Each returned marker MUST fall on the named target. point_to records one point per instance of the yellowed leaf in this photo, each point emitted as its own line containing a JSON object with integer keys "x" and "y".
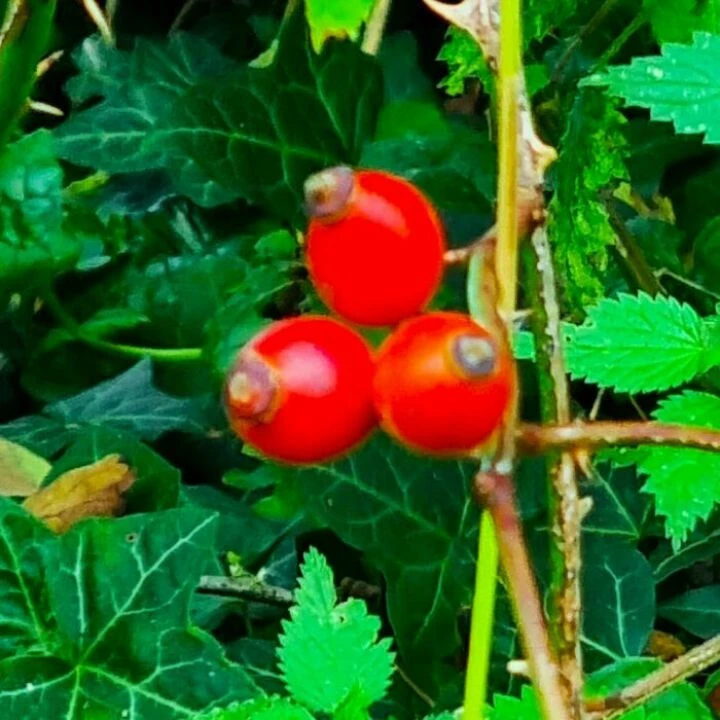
{"x": 95, "y": 490}
{"x": 21, "y": 471}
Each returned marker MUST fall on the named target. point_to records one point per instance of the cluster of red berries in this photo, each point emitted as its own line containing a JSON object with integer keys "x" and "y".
{"x": 310, "y": 389}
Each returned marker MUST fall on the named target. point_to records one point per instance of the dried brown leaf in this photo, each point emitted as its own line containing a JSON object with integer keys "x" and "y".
{"x": 95, "y": 490}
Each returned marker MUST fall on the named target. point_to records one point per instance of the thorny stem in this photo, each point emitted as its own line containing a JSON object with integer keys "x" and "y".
{"x": 372, "y": 39}
{"x": 538, "y": 439}
{"x": 565, "y": 516}
{"x": 692, "y": 662}
{"x": 71, "y": 325}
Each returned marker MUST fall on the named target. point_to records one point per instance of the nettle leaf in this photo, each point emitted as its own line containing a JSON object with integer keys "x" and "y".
{"x": 678, "y": 86}
{"x": 245, "y": 130}
{"x": 138, "y": 89}
{"x": 333, "y": 19}
{"x": 78, "y": 645}
{"x": 270, "y": 708}
{"x": 128, "y": 402}
{"x": 33, "y": 245}
{"x": 697, "y": 611}
{"x": 591, "y": 163}
{"x": 415, "y": 517}
{"x": 684, "y": 483}
{"x": 677, "y": 20}
{"x": 336, "y": 642}
{"x": 512, "y": 708}
{"x": 618, "y": 597}
{"x": 640, "y": 344}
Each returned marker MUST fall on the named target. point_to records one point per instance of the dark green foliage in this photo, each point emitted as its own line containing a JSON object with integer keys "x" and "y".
{"x": 150, "y": 232}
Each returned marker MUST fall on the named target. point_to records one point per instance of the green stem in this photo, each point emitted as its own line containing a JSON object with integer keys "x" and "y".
{"x": 70, "y": 324}
{"x": 375, "y": 28}
{"x": 481, "y": 622}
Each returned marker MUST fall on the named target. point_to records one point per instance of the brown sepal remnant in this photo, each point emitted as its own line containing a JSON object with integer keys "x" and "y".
{"x": 95, "y": 490}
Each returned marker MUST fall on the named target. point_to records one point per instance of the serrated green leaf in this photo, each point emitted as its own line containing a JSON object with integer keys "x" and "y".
{"x": 328, "y": 18}
{"x": 416, "y": 518}
{"x": 128, "y": 402}
{"x": 245, "y": 132}
{"x": 677, "y": 20}
{"x": 523, "y": 708}
{"x": 336, "y": 642}
{"x": 618, "y": 597}
{"x": 678, "y": 86}
{"x": 639, "y": 344}
{"x": 684, "y": 483}
{"x": 697, "y": 611}
{"x": 591, "y": 162}
{"x": 270, "y": 708}
{"x": 85, "y": 647}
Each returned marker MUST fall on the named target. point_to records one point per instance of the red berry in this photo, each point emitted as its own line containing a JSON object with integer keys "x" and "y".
{"x": 375, "y": 245}
{"x": 442, "y": 383}
{"x": 301, "y": 390}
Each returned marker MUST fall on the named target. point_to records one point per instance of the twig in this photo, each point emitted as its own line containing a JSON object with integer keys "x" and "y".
{"x": 539, "y": 439}
{"x": 495, "y": 491}
{"x": 250, "y": 589}
{"x": 417, "y": 690}
{"x": 696, "y": 660}
{"x": 633, "y": 256}
{"x": 372, "y": 39}
{"x": 565, "y": 517}
{"x": 185, "y": 10}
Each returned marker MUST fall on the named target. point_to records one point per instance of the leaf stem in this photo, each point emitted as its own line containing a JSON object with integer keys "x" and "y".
{"x": 375, "y": 28}
{"x": 70, "y": 324}
{"x": 246, "y": 588}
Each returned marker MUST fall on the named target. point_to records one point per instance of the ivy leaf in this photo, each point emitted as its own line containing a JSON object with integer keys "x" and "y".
{"x": 328, "y": 18}
{"x": 701, "y": 544}
{"x": 33, "y": 245}
{"x": 415, "y": 517}
{"x": 684, "y": 483}
{"x": 128, "y": 402}
{"x": 138, "y": 88}
{"x": 697, "y": 611}
{"x": 677, "y": 20}
{"x": 41, "y": 435}
{"x": 678, "y": 86}
{"x": 336, "y": 642}
{"x": 591, "y": 162}
{"x": 640, "y": 344}
{"x": 245, "y": 132}
{"x": 618, "y": 596}
{"x": 78, "y": 643}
